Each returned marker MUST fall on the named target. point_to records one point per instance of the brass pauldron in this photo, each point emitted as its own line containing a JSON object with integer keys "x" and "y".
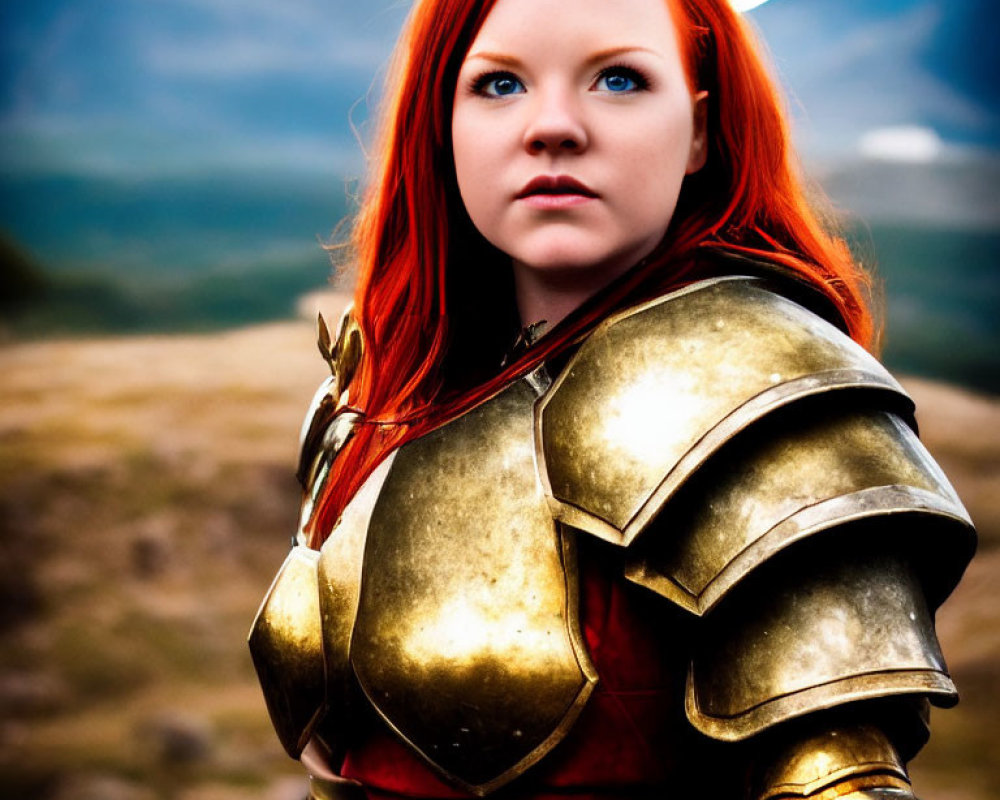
{"x": 717, "y": 428}
{"x": 809, "y": 635}
{"x": 330, "y": 421}
{"x": 658, "y": 389}
{"x": 805, "y": 470}
{"x": 831, "y": 763}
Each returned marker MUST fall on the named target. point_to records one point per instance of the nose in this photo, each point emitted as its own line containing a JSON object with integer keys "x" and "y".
{"x": 555, "y": 125}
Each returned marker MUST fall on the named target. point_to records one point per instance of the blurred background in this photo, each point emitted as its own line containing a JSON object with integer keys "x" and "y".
{"x": 168, "y": 171}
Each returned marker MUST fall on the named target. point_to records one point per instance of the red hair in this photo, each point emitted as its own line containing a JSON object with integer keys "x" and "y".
{"x": 424, "y": 320}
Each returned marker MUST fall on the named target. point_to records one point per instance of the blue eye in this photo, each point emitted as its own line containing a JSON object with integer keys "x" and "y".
{"x": 498, "y": 84}
{"x": 619, "y": 80}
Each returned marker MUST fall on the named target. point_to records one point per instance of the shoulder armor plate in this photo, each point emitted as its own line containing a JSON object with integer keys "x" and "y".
{"x": 805, "y": 470}
{"x": 712, "y": 429}
{"x": 285, "y": 644}
{"x": 655, "y": 390}
{"x": 840, "y": 624}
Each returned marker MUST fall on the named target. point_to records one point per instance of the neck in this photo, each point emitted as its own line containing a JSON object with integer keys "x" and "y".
{"x": 551, "y": 295}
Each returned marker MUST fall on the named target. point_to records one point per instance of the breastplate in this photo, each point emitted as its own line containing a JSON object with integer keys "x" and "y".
{"x": 462, "y": 630}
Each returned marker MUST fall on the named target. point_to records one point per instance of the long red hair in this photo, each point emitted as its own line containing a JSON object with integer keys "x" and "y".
{"x": 434, "y": 337}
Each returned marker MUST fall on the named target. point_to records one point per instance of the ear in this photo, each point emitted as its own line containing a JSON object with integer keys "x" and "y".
{"x": 699, "y": 138}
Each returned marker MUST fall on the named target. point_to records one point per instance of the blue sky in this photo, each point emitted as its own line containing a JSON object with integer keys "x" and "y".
{"x": 196, "y": 86}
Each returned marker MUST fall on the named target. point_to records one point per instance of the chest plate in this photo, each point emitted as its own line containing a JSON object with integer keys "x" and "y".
{"x": 466, "y": 638}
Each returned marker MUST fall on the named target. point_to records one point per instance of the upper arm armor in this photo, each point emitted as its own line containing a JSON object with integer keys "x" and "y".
{"x": 835, "y": 758}
{"x": 719, "y": 433}
{"x": 803, "y": 471}
{"x": 286, "y": 638}
{"x": 286, "y": 644}
{"x": 842, "y": 621}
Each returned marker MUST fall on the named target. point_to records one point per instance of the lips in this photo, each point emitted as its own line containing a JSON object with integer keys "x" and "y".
{"x": 555, "y": 186}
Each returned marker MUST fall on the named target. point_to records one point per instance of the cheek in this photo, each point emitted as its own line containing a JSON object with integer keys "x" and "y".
{"x": 476, "y": 166}
{"x": 655, "y": 156}
{"x": 652, "y": 160}
{"x": 669, "y": 137}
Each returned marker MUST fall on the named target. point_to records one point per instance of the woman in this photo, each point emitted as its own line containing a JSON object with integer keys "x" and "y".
{"x": 600, "y": 501}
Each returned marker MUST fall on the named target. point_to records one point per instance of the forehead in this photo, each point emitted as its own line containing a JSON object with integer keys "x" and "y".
{"x": 558, "y": 28}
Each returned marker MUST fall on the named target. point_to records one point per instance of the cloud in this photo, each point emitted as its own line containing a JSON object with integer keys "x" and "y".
{"x": 746, "y": 5}
{"x": 291, "y": 13}
{"x": 905, "y": 143}
{"x": 897, "y": 38}
{"x": 237, "y": 39}
{"x": 239, "y": 56}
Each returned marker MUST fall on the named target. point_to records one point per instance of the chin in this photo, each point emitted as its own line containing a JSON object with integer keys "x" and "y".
{"x": 579, "y": 250}
{"x": 580, "y": 261}
{"x": 566, "y": 257}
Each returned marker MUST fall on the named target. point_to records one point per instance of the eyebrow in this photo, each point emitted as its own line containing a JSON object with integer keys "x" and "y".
{"x": 594, "y": 58}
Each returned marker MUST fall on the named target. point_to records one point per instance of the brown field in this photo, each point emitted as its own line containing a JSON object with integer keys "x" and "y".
{"x": 146, "y": 499}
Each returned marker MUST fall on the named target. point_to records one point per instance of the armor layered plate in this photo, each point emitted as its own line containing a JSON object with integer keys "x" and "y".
{"x": 285, "y": 644}
{"x": 466, "y": 639}
{"x": 339, "y": 575}
{"x": 838, "y": 623}
{"x": 654, "y": 391}
{"x": 804, "y": 470}
{"x": 845, "y": 756}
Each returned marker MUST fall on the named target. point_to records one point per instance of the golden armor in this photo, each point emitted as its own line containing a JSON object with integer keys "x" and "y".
{"x": 761, "y": 472}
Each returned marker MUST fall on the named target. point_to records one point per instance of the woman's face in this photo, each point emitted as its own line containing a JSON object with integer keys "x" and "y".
{"x": 573, "y": 128}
